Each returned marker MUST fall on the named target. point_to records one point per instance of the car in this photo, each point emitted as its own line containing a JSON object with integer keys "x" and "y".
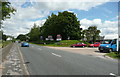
{"x": 24, "y": 44}
{"x": 78, "y": 45}
{"x": 96, "y": 44}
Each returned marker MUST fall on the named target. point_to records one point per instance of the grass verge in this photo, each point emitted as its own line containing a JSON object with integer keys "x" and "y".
{"x": 63, "y": 43}
{"x": 5, "y": 43}
{"x": 115, "y": 55}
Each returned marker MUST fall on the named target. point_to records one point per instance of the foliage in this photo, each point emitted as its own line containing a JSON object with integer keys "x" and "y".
{"x": 1, "y": 35}
{"x": 21, "y": 37}
{"x": 34, "y": 33}
{"x": 7, "y": 9}
{"x": 65, "y": 24}
{"x": 91, "y": 33}
{"x": 4, "y": 37}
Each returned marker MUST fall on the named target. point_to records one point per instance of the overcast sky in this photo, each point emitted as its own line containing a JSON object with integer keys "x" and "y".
{"x": 102, "y": 13}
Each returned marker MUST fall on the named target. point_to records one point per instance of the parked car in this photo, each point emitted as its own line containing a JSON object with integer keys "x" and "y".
{"x": 78, "y": 45}
{"x": 109, "y": 46}
{"x": 24, "y": 44}
{"x": 96, "y": 44}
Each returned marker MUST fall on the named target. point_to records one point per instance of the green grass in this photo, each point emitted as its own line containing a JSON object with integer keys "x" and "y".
{"x": 63, "y": 43}
{"x": 115, "y": 55}
{"x": 5, "y": 43}
{"x": 0, "y": 43}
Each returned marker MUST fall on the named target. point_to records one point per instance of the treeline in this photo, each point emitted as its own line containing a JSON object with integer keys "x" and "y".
{"x": 66, "y": 24}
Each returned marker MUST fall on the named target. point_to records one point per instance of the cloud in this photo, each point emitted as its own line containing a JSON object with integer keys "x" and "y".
{"x": 26, "y": 13}
{"x": 71, "y": 4}
{"x": 109, "y": 29}
{"x": 60, "y": 4}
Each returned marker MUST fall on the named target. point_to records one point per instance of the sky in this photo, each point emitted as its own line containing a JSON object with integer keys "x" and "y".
{"x": 101, "y": 13}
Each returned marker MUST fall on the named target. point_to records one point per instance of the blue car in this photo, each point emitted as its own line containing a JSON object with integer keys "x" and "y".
{"x": 24, "y": 44}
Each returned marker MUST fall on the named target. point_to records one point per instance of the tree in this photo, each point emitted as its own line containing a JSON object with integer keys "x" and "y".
{"x": 21, "y": 37}
{"x": 7, "y": 9}
{"x": 4, "y": 37}
{"x": 1, "y": 33}
{"x": 65, "y": 24}
{"x": 34, "y": 33}
{"x": 5, "y": 12}
{"x": 91, "y": 33}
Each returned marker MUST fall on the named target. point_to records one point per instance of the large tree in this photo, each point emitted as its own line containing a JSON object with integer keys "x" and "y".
{"x": 5, "y": 13}
{"x": 22, "y": 37}
{"x": 65, "y": 24}
{"x": 34, "y": 33}
{"x": 4, "y": 37}
{"x": 92, "y": 33}
{"x": 6, "y": 10}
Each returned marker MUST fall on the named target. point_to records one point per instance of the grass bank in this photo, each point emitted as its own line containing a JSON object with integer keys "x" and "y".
{"x": 115, "y": 55}
{"x": 63, "y": 43}
{"x": 5, "y": 43}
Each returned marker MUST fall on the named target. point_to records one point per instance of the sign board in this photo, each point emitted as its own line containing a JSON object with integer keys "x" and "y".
{"x": 59, "y": 37}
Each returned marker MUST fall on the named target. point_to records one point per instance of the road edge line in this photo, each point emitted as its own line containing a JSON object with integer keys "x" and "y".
{"x": 23, "y": 60}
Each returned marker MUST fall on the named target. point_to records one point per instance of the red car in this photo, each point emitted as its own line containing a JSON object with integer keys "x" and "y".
{"x": 96, "y": 44}
{"x": 78, "y": 45}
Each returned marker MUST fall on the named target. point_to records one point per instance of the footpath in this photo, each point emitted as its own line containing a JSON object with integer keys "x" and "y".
{"x": 14, "y": 63}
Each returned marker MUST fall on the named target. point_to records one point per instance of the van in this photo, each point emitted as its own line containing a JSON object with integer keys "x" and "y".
{"x": 109, "y": 45}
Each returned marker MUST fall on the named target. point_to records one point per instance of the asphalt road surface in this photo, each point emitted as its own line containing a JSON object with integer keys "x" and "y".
{"x": 46, "y": 61}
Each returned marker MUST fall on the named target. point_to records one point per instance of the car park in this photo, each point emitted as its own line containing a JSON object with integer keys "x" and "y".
{"x": 24, "y": 44}
{"x": 96, "y": 44}
{"x": 78, "y": 45}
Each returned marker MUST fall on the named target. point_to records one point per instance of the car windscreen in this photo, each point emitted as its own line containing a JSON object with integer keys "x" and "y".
{"x": 79, "y": 43}
{"x": 96, "y": 43}
{"x": 106, "y": 42}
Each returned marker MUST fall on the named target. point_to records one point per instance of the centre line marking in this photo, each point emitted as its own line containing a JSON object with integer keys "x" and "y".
{"x": 57, "y": 55}
{"x": 39, "y": 48}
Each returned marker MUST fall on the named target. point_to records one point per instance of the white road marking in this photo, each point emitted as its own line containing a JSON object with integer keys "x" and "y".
{"x": 39, "y": 48}
{"x": 57, "y": 55}
{"x": 112, "y": 74}
{"x": 23, "y": 60}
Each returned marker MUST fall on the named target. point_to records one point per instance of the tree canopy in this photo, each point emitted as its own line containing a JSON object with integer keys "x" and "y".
{"x": 91, "y": 33}
{"x": 65, "y": 24}
{"x": 6, "y": 10}
{"x": 34, "y": 33}
{"x": 22, "y": 37}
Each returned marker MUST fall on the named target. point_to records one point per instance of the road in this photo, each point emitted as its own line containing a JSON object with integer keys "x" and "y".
{"x": 47, "y": 61}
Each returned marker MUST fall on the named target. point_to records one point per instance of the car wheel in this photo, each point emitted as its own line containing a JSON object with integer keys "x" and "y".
{"x": 101, "y": 50}
{"x": 73, "y": 46}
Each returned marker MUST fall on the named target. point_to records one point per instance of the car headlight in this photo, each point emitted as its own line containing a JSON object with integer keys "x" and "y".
{"x": 107, "y": 46}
